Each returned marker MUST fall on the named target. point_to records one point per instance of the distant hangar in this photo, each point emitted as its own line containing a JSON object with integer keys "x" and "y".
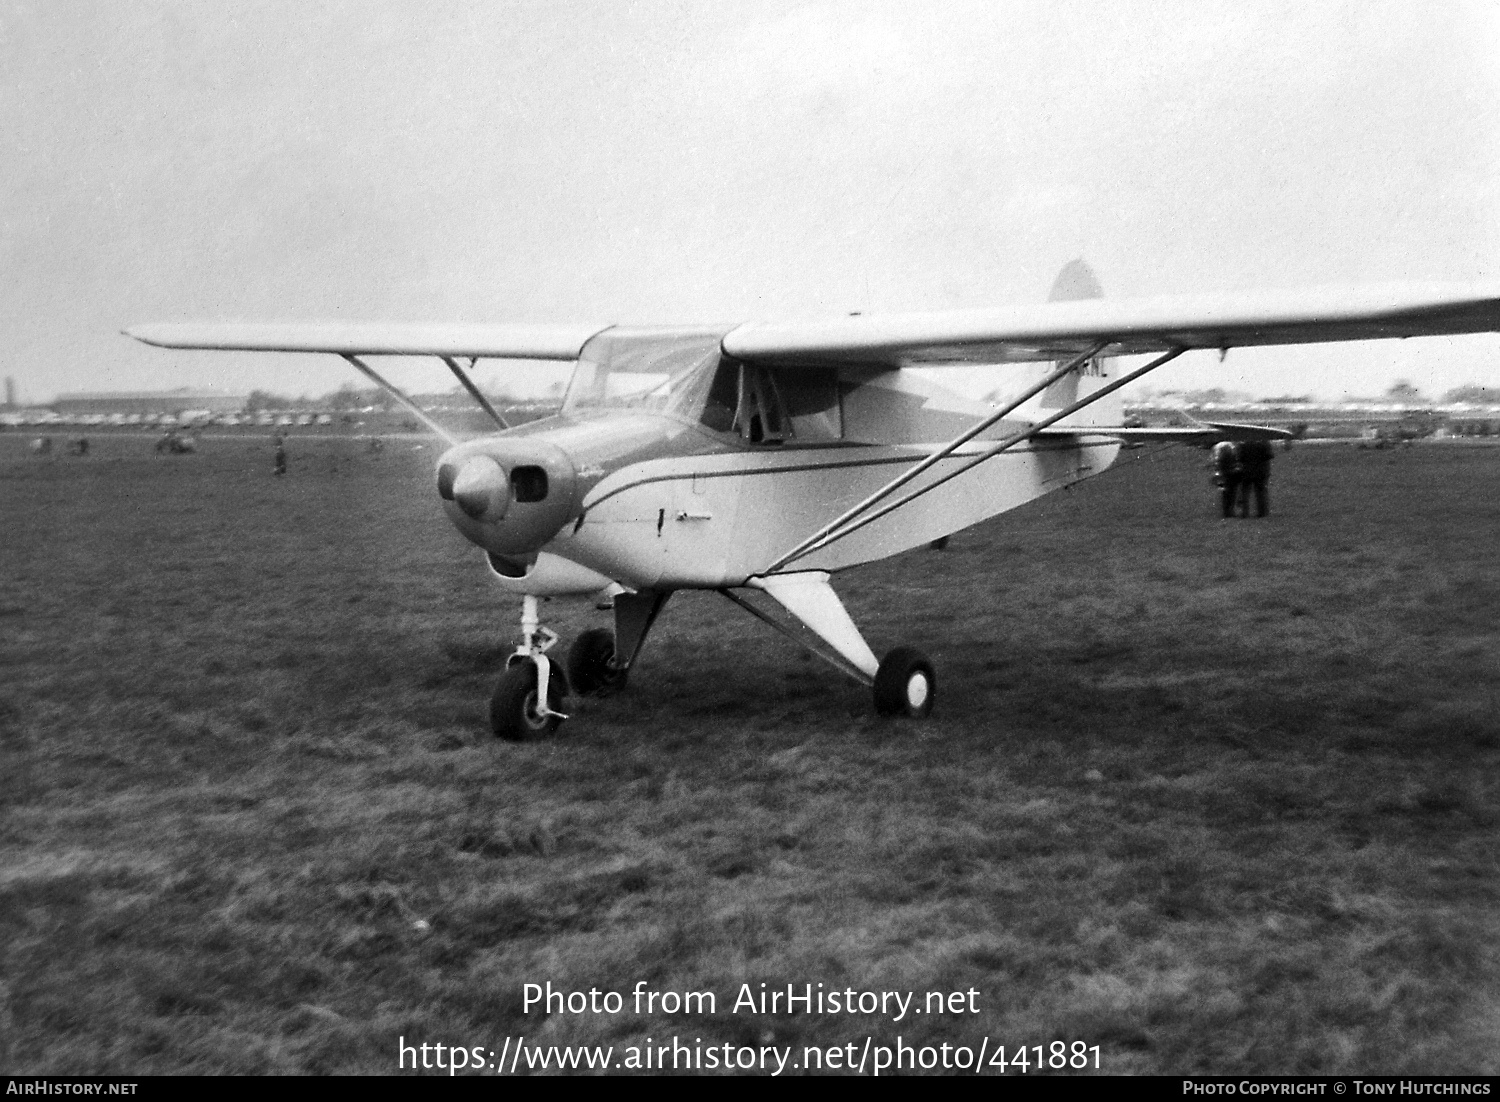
{"x": 175, "y": 402}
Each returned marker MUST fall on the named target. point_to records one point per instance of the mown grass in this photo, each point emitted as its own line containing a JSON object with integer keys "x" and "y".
{"x": 1216, "y": 796}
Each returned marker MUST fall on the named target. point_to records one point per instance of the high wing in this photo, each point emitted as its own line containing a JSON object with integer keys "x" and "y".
{"x": 1054, "y": 330}
{"x": 1046, "y": 331}
{"x": 351, "y": 340}
{"x": 517, "y": 342}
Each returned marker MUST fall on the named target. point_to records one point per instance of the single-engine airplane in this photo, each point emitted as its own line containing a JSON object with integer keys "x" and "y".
{"x": 759, "y": 459}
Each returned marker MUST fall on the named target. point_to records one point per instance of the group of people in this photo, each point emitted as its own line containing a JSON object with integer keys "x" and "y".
{"x": 1242, "y": 468}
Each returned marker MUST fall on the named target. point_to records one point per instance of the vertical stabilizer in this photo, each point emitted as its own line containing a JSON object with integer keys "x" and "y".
{"x": 1078, "y": 281}
{"x": 1075, "y": 281}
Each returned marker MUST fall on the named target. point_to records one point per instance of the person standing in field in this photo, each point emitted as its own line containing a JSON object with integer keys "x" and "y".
{"x": 1225, "y": 462}
{"x": 1255, "y": 472}
{"x": 280, "y": 455}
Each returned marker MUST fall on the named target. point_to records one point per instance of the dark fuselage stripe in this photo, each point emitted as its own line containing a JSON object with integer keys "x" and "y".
{"x": 822, "y": 467}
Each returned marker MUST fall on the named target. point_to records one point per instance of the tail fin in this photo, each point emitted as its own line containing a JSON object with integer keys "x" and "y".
{"x": 1078, "y": 281}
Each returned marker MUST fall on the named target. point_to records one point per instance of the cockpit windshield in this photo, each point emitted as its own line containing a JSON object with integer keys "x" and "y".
{"x": 684, "y": 373}
{"x": 662, "y": 371}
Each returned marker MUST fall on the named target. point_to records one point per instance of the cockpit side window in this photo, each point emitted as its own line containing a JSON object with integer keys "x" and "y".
{"x": 760, "y": 416}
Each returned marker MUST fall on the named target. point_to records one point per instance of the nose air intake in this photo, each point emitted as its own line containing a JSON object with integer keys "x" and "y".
{"x": 529, "y": 484}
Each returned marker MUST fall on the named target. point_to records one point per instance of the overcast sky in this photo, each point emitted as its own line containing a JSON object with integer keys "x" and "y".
{"x": 670, "y": 161}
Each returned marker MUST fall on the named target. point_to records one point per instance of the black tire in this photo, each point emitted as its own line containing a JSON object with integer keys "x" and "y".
{"x": 513, "y": 711}
{"x": 905, "y": 684}
{"x": 589, "y": 669}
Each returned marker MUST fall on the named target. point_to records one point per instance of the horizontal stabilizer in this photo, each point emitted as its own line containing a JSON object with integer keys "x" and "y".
{"x": 1224, "y": 430}
{"x": 1205, "y": 432}
{"x": 513, "y": 342}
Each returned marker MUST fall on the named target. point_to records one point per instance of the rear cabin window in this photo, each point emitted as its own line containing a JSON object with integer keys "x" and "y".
{"x": 812, "y": 404}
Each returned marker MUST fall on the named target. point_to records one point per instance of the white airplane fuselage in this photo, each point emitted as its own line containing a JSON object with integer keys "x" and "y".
{"x": 708, "y": 522}
{"x": 657, "y": 500}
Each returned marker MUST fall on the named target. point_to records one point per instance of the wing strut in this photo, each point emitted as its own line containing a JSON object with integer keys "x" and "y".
{"x": 834, "y": 533}
{"x": 410, "y": 406}
{"x": 468, "y": 384}
{"x": 818, "y": 537}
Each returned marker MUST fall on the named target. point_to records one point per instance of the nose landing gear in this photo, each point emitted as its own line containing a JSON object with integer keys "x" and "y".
{"x": 528, "y": 699}
{"x": 531, "y": 690}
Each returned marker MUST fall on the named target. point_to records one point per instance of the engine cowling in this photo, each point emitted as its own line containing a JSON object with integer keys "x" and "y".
{"x": 509, "y": 495}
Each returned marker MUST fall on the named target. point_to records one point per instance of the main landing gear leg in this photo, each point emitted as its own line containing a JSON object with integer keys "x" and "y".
{"x": 531, "y": 690}
{"x": 599, "y": 660}
{"x": 903, "y": 682}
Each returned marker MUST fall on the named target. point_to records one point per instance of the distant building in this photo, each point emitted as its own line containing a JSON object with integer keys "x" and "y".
{"x": 163, "y": 401}
{"x": 1358, "y": 420}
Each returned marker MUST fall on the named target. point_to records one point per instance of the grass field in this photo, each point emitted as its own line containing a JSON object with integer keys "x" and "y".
{"x": 1217, "y": 797}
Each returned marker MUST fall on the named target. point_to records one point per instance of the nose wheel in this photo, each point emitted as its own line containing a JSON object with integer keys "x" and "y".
{"x": 530, "y": 692}
{"x": 517, "y": 713}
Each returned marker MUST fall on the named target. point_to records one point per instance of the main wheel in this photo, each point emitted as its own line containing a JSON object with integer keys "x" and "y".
{"x": 905, "y": 684}
{"x": 589, "y": 669}
{"x": 513, "y": 709}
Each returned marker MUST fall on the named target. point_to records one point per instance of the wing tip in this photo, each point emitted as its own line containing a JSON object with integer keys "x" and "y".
{"x": 140, "y": 333}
